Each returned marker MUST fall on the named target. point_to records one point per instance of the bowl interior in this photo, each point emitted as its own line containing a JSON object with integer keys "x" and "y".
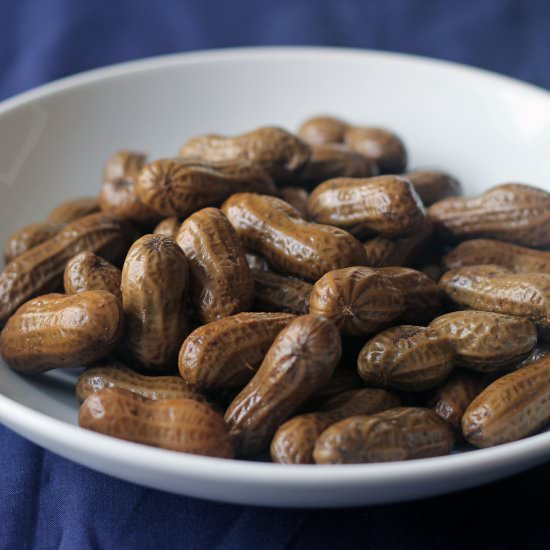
{"x": 53, "y": 142}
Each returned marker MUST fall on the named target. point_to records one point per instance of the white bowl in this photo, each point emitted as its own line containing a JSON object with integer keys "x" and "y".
{"x": 484, "y": 128}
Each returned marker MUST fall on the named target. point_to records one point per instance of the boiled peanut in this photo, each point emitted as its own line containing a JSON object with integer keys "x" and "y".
{"x": 494, "y": 288}
{"x": 333, "y": 160}
{"x": 34, "y": 234}
{"x": 422, "y": 294}
{"x": 116, "y": 375}
{"x": 341, "y": 381}
{"x": 296, "y": 197}
{"x": 294, "y": 441}
{"x": 226, "y": 353}
{"x": 273, "y": 292}
{"x": 154, "y": 286}
{"x": 178, "y": 187}
{"x": 433, "y": 185}
{"x": 28, "y": 237}
{"x": 488, "y": 251}
{"x": 182, "y": 425}
{"x": 300, "y": 361}
{"x": 380, "y": 145}
{"x": 510, "y": 212}
{"x": 403, "y": 433}
{"x": 406, "y": 357}
{"x": 169, "y": 227}
{"x": 384, "y": 205}
{"x": 221, "y": 282}
{"x": 383, "y": 252}
{"x": 280, "y": 153}
{"x": 73, "y": 209}
{"x": 510, "y": 408}
{"x": 40, "y": 270}
{"x": 452, "y": 397}
{"x": 321, "y": 130}
{"x": 88, "y": 271}
{"x": 119, "y": 197}
{"x": 56, "y": 330}
{"x": 124, "y": 164}
{"x": 537, "y": 353}
{"x": 358, "y": 300}
{"x": 485, "y": 341}
{"x": 292, "y": 245}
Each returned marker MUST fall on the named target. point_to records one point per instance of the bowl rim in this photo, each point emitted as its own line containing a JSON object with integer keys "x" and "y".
{"x": 28, "y": 420}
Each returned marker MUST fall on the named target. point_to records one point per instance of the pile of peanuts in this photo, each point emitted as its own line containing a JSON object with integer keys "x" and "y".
{"x": 298, "y": 294}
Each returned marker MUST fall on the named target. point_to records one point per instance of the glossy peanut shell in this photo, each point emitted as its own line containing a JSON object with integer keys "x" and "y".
{"x": 510, "y": 212}
{"x": 384, "y": 205}
{"x": 294, "y": 441}
{"x": 323, "y": 129}
{"x": 154, "y": 288}
{"x": 183, "y": 425}
{"x": 519, "y": 259}
{"x": 296, "y": 197}
{"x": 124, "y": 164}
{"x": 221, "y": 281}
{"x": 434, "y": 185}
{"x": 40, "y": 270}
{"x": 510, "y": 408}
{"x": 280, "y": 153}
{"x": 28, "y": 237}
{"x": 300, "y": 361}
{"x": 358, "y": 300}
{"x": 292, "y": 245}
{"x": 227, "y": 352}
{"x": 111, "y": 374}
{"x": 403, "y": 433}
{"x": 485, "y": 341}
{"x": 493, "y": 288}
{"x": 169, "y": 227}
{"x": 406, "y": 357}
{"x": 88, "y": 271}
{"x": 73, "y": 209}
{"x": 56, "y": 330}
{"x": 274, "y": 292}
{"x": 178, "y": 187}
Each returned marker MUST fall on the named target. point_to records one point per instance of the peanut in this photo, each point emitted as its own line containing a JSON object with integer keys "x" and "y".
{"x": 40, "y": 270}
{"x": 273, "y": 292}
{"x": 292, "y": 245}
{"x": 341, "y": 381}
{"x": 88, "y": 271}
{"x": 255, "y": 261}
{"x": 73, "y": 209}
{"x": 300, "y": 361}
{"x": 493, "y": 288}
{"x": 488, "y": 251}
{"x": 227, "y": 352}
{"x": 486, "y": 341}
{"x": 510, "y": 408}
{"x": 124, "y": 164}
{"x": 433, "y": 185}
{"x": 321, "y": 130}
{"x": 452, "y": 397}
{"x": 116, "y": 375}
{"x": 333, "y": 160}
{"x": 406, "y": 358}
{"x": 154, "y": 286}
{"x": 510, "y": 212}
{"x": 422, "y": 294}
{"x": 383, "y": 205}
{"x": 296, "y": 197}
{"x": 294, "y": 441}
{"x": 177, "y": 187}
{"x": 182, "y": 425}
{"x": 56, "y": 330}
{"x": 403, "y": 433}
{"x": 221, "y": 282}
{"x": 358, "y": 300}
{"x": 28, "y": 237}
{"x": 169, "y": 227}
{"x": 280, "y": 153}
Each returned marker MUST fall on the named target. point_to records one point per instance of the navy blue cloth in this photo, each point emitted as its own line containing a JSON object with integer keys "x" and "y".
{"x": 49, "y": 502}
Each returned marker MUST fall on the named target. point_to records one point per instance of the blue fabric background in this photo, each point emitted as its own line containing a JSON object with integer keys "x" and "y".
{"x": 48, "y": 502}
